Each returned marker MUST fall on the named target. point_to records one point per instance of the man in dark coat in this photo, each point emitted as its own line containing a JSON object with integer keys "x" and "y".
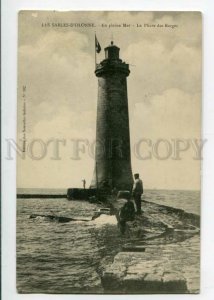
{"x": 127, "y": 212}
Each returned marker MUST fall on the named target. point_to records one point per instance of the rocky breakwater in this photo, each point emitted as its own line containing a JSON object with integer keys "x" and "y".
{"x": 160, "y": 253}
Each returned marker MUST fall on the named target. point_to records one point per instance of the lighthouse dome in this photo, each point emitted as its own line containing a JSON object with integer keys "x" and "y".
{"x": 112, "y": 51}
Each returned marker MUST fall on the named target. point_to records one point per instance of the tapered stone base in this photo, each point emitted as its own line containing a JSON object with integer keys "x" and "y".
{"x": 119, "y": 178}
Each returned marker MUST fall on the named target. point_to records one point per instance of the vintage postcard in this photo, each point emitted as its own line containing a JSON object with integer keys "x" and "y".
{"x": 109, "y": 152}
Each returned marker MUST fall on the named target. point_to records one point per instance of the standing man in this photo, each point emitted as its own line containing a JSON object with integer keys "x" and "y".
{"x": 137, "y": 191}
{"x": 84, "y": 183}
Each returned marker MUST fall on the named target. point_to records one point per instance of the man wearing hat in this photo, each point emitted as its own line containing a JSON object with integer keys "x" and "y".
{"x": 137, "y": 191}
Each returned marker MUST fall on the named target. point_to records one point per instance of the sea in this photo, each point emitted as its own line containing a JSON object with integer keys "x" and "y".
{"x": 66, "y": 258}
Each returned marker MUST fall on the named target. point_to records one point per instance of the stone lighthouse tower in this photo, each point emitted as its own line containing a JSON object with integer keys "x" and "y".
{"x": 112, "y": 152}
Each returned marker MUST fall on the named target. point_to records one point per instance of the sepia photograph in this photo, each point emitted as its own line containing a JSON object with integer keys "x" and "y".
{"x": 109, "y": 152}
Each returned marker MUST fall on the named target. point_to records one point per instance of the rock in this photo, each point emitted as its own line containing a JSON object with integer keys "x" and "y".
{"x": 112, "y": 278}
{"x": 59, "y": 219}
{"x": 133, "y": 248}
{"x": 174, "y": 283}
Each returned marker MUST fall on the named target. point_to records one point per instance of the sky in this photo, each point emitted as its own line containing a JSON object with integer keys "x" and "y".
{"x": 56, "y": 65}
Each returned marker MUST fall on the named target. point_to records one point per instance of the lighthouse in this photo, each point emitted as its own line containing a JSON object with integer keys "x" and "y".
{"x": 112, "y": 149}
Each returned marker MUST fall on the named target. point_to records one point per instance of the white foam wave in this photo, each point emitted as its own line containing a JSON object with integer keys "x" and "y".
{"x": 104, "y": 220}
